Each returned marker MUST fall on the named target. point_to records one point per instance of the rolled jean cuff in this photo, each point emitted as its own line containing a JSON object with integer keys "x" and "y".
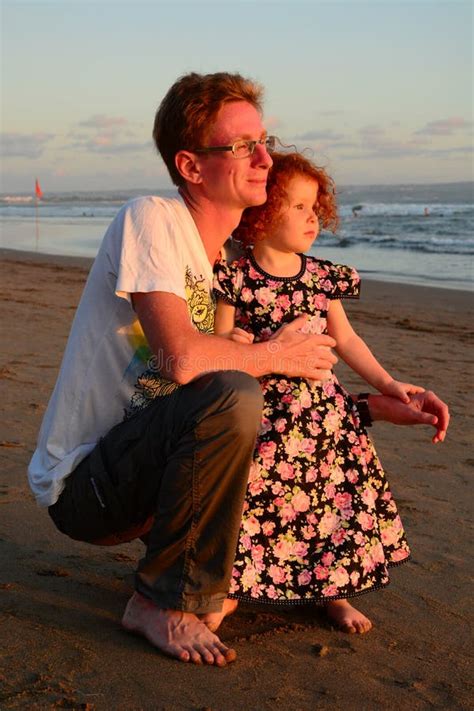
{"x": 197, "y": 604}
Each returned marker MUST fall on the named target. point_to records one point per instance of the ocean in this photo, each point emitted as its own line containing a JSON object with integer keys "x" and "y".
{"x": 417, "y": 234}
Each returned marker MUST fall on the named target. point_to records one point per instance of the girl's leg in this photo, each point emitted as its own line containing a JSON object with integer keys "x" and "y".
{"x": 213, "y": 620}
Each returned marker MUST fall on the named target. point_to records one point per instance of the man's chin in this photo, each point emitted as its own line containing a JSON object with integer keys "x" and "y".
{"x": 257, "y": 198}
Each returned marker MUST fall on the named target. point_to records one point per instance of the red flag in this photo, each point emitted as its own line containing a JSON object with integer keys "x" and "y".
{"x": 38, "y": 191}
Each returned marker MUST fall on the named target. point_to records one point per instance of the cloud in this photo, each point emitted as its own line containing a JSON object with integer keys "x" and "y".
{"x": 445, "y": 127}
{"x": 323, "y": 135}
{"x": 102, "y": 122}
{"x": 22, "y": 145}
{"x": 110, "y": 135}
{"x": 372, "y": 131}
{"x": 100, "y": 144}
{"x": 459, "y": 150}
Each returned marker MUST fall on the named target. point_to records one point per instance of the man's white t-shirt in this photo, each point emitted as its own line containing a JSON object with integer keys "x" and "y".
{"x": 108, "y": 371}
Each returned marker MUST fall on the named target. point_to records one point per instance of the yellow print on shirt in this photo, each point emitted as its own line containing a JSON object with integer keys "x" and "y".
{"x": 200, "y": 302}
{"x": 150, "y": 383}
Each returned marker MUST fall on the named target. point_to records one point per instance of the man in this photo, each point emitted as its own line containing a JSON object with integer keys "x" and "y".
{"x": 151, "y": 426}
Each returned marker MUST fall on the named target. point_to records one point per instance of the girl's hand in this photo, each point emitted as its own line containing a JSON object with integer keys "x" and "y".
{"x": 240, "y": 336}
{"x": 395, "y": 388}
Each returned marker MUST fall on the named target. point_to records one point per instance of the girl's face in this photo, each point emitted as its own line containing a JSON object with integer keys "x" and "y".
{"x": 298, "y": 225}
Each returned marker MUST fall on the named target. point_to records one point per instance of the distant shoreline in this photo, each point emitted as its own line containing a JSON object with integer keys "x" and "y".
{"x": 406, "y": 292}
{"x": 65, "y": 260}
{"x": 170, "y": 189}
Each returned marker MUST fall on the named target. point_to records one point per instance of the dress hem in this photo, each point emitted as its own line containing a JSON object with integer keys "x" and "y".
{"x": 316, "y": 600}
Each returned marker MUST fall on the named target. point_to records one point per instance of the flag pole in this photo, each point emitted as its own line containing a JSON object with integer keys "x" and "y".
{"x": 38, "y": 196}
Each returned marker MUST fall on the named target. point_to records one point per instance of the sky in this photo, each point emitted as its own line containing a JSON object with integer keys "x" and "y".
{"x": 379, "y": 91}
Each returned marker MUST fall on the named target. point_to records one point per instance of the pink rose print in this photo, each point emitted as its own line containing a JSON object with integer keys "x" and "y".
{"x": 365, "y": 520}
{"x": 328, "y": 558}
{"x": 308, "y": 532}
{"x": 268, "y": 528}
{"x": 321, "y": 572}
{"x": 283, "y": 301}
{"x": 287, "y": 513}
{"x": 300, "y": 501}
{"x": 339, "y": 576}
{"x": 257, "y": 553}
{"x": 295, "y": 408}
{"x": 369, "y": 497}
{"x": 282, "y": 550}
{"x": 328, "y": 523}
{"x": 246, "y": 295}
{"x": 280, "y": 425}
{"x": 399, "y": 555}
{"x": 339, "y": 536}
{"x": 300, "y": 549}
{"x": 249, "y": 577}
{"x": 256, "y": 487}
{"x": 286, "y": 471}
{"x": 267, "y": 451}
{"x": 304, "y": 578}
{"x": 251, "y": 525}
{"x": 277, "y": 574}
{"x": 265, "y": 296}
{"x": 320, "y": 302}
{"x": 297, "y": 298}
{"x": 355, "y": 577}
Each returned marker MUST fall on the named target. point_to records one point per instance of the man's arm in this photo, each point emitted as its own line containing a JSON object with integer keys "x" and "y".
{"x": 185, "y": 353}
{"x": 424, "y": 408}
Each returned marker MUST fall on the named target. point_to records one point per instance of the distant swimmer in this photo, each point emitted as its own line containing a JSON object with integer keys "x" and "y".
{"x": 356, "y": 209}
{"x": 426, "y": 212}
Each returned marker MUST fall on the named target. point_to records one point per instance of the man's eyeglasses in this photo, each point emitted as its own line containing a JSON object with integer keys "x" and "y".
{"x": 242, "y": 148}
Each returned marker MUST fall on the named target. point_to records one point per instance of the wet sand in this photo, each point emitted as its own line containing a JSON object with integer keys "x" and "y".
{"x": 61, "y": 601}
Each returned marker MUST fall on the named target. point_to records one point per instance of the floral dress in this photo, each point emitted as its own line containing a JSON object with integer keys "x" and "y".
{"x": 319, "y": 521}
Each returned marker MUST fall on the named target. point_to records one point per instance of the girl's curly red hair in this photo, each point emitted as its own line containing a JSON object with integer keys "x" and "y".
{"x": 257, "y": 222}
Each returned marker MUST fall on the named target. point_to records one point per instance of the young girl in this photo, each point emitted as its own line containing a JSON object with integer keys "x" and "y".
{"x": 319, "y": 521}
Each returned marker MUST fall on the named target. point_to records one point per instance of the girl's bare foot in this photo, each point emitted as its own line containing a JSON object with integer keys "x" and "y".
{"x": 347, "y": 618}
{"x": 213, "y": 620}
{"x": 179, "y": 634}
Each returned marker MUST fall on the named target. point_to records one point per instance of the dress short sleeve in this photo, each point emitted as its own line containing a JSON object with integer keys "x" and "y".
{"x": 226, "y": 282}
{"x": 339, "y": 281}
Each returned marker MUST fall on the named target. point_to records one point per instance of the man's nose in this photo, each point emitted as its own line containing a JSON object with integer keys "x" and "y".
{"x": 261, "y": 156}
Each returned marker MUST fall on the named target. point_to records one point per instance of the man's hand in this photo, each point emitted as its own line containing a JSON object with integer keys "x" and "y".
{"x": 424, "y": 408}
{"x": 300, "y": 355}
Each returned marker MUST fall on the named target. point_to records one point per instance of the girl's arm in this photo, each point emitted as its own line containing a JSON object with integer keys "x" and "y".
{"x": 358, "y": 356}
{"x": 224, "y": 324}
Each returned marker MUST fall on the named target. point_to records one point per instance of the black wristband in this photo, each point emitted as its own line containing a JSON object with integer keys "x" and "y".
{"x": 363, "y": 407}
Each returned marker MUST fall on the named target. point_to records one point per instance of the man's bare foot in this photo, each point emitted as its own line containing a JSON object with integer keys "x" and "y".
{"x": 179, "y": 634}
{"x": 213, "y": 620}
{"x": 347, "y": 618}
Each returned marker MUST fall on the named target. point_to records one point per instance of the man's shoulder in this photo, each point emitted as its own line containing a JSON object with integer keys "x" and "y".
{"x": 154, "y": 205}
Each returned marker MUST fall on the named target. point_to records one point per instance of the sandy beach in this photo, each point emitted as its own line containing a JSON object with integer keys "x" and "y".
{"x": 61, "y": 601}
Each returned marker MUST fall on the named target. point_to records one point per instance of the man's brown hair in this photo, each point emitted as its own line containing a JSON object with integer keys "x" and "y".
{"x": 188, "y": 110}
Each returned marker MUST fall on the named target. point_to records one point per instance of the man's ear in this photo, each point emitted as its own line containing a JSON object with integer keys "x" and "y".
{"x": 187, "y": 165}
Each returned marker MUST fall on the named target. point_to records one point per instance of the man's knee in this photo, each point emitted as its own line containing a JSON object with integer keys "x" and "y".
{"x": 242, "y": 395}
{"x": 236, "y": 398}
